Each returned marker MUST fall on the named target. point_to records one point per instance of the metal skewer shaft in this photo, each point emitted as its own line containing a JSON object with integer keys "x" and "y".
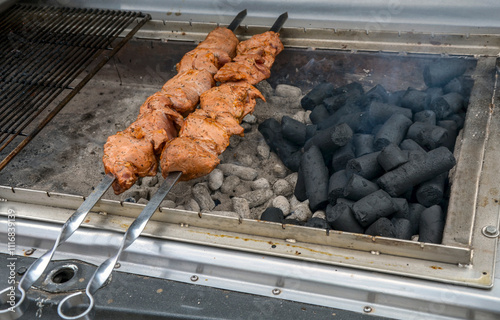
{"x": 278, "y": 24}
{"x": 67, "y": 305}
{"x": 38, "y": 267}
{"x": 237, "y": 20}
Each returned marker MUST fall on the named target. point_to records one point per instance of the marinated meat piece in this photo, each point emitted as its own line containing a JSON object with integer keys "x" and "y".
{"x": 184, "y": 89}
{"x": 211, "y": 54}
{"x": 156, "y": 127}
{"x": 129, "y": 156}
{"x": 202, "y": 128}
{"x": 237, "y": 99}
{"x": 162, "y": 103}
{"x": 188, "y": 155}
{"x": 220, "y": 39}
{"x": 225, "y": 119}
{"x": 253, "y": 61}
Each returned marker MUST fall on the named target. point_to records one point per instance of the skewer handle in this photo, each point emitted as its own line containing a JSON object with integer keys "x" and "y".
{"x": 39, "y": 265}
{"x": 67, "y": 307}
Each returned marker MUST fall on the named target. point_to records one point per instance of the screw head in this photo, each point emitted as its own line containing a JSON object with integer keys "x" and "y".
{"x": 367, "y": 309}
{"x": 194, "y": 278}
{"x": 490, "y": 231}
{"x": 117, "y": 265}
{"x": 276, "y": 291}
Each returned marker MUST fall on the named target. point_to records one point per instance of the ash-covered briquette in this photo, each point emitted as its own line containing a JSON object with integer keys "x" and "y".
{"x": 392, "y": 157}
{"x": 287, "y": 151}
{"x": 363, "y": 144}
{"x": 340, "y": 217}
{"x": 336, "y": 186}
{"x": 372, "y": 207}
{"x": 431, "y": 192}
{"x": 427, "y": 135}
{"x": 392, "y": 131}
{"x": 426, "y": 116}
{"x": 342, "y": 155}
{"x": 447, "y": 105}
{"x": 316, "y": 178}
{"x": 358, "y": 187}
{"x": 366, "y": 166}
{"x": 379, "y": 112}
{"x": 316, "y": 95}
{"x": 293, "y": 130}
{"x": 432, "y": 222}
{"x": 442, "y": 71}
{"x": 418, "y": 169}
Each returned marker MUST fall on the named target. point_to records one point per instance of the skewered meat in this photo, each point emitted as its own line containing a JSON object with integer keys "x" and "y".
{"x": 215, "y": 51}
{"x": 204, "y": 134}
{"x": 131, "y": 153}
{"x": 253, "y": 61}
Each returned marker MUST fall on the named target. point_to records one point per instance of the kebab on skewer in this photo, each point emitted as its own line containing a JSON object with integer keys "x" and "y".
{"x": 205, "y": 133}
{"x": 132, "y": 153}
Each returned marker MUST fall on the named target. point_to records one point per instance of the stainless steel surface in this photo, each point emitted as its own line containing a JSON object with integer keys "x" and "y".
{"x": 309, "y": 281}
{"x": 34, "y": 272}
{"x": 66, "y": 308}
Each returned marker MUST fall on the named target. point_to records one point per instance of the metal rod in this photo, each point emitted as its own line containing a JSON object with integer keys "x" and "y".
{"x": 38, "y": 267}
{"x": 237, "y": 20}
{"x": 69, "y": 303}
{"x": 278, "y": 24}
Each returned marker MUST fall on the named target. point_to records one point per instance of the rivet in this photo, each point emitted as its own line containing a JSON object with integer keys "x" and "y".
{"x": 117, "y": 265}
{"x": 29, "y": 252}
{"x": 367, "y": 309}
{"x": 276, "y": 291}
{"x": 194, "y": 278}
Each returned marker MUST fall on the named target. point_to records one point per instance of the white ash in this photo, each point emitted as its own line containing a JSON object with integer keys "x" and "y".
{"x": 250, "y": 118}
{"x": 282, "y": 203}
{"x": 292, "y": 179}
{"x": 150, "y": 181}
{"x": 261, "y": 183}
{"x": 229, "y": 185}
{"x": 287, "y": 91}
{"x": 307, "y": 117}
{"x": 279, "y": 170}
{"x": 257, "y": 197}
{"x": 202, "y": 196}
{"x": 215, "y": 179}
{"x": 263, "y": 150}
{"x": 192, "y": 205}
{"x": 282, "y": 188}
{"x": 241, "y": 207}
{"x": 168, "y": 204}
{"x": 242, "y": 172}
{"x": 300, "y": 116}
{"x": 319, "y": 214}
{"x": 301, "y": 213}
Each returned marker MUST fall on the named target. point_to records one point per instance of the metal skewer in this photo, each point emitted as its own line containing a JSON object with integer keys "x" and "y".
{"x": 81, "y": 304}
{"x": 38, "y": 267}
{"x": 278, "y": 24}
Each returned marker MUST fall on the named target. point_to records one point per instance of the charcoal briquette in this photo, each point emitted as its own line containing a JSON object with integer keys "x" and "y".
{"x": 452, "y": 128}
{"x": 432, "y": 222}
{"x": 342, "y": 155}
{"x": 426, "y": 116}
{"x": 403, "y": 209}
{"x": 351, "y": 93}
{"x": 343, "y": 113}
{"x": 317, "y": 223}
{"x": 316, "y": 95}
{"x": 459, "y": 119}
{"x": 431, "y": 192}
{"x": 363, "y": 144}
{"x": 392, "y": 131}
{"x": 372, "y": 207}
{"x": 409, "y": 144}
{"x": 300, "y": 187}
{"x": 347, "y": 202}
{"x": 378, "y": 93}
{"x": 421, "y": 167}
{"x": 336, "y": 185}
{"x": 414, "y": 100}
{"x": 396, "y": 97}
{"x": 392, "y": 157}
{"x": 318, "y": 114}
{"x": 330, "y": 139}
{"x": 358, "y": 187}
{"x": 447, "y": 105}
{"x": 316, "y": 178}
{"x": 433, "y": 93}
{"x": 272, "y": 214}
{"x": 427, "y": 135}
{"x": 441, "y": 72}
{"x": 383, "y": 227}
{"x": 340, "y": 217}
{"x": 287, "y": 151}
{"x": 293, "y": 222}
{"x": 311, "y": 130}
{"x": 366, "y": 166}
{"x": 416, "y": 210}
{"x": 293, "y": 130}
{"x": 379, "y": 112}
{"x": 402, "y": 228}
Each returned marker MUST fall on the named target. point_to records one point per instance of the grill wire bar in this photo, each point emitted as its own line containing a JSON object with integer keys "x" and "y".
{"x": 42, "y": 52}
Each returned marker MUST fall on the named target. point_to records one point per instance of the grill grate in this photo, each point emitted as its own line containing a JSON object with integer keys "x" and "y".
{"x": 43, "y": 50}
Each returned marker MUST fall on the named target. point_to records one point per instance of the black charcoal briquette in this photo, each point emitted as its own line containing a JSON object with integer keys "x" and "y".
{"x": 378, "y": 93}
{"x": 340, "y": 217}
{"x": 409, "y": 144}
{"x": 315, "y": 178}
{"x": 392, "y": 157}
{"x": 358, "y": 187}
{"x": 432, "y": 222}
{"x": 441, "y": 72}
{"x": 427, "y": 135}
{"x": 336, "y": 185}
{"x": 342, "y": 155}
{"x": 363, "y": 144}
{"x": 272, "y": 214}
{"x": 300, "y": 187}
{"x": 317, "y": 223}
{"x": 447, "y": 105}
{"x": 431, "y": 192}
{"x": 366, "y": 166}
{"x": 402, "y": 228}
{"x": 379, "y": 112}
{"x": 414, "y": 100}
{"x": 316, "y": 95}
{"x": 383, "y": 227}
{"x": 372, "y": 207}
{"x": 392, "y": 131}
{"x": 319, "y": 114}
{"x": 426, "y": 116}
{"x": 293, "y": 130}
